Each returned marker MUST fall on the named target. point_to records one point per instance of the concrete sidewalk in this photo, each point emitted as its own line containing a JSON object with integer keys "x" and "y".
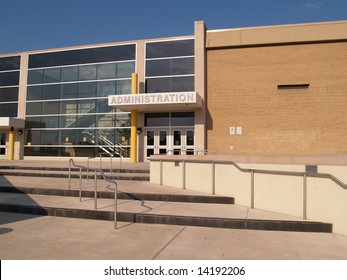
{"x": 36, "y": 237}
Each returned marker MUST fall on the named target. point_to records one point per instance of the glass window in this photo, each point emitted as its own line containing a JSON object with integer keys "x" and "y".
{"x": 9, "y": 78}
{"x": 33, "y": 137}
{"x": 182, "y": 84}
{"x": 107, "y": 71}
{"x": 86, "y": 106}
{"x": 182, "y": 119}
{"x": 177, "y": 137}
{"x": 182, "y": 66}
{"x": 51, "y": 92}
{"x": 170, "y": 48}
{"x": 106, "y": 88}
{"x": 68, "y": 107}
{"x": 68, "y": 91}
{"x": 86, "y": 120}
{"x": 158, "y": 85}
{"x": 125, "y": 69}
{"x": 157, "y": 119}
{"x": 35, "y": 76}
{"x": 67, "y": 121}
{"x": 50, "y": 107}
{"x": 69, "y": 74}
{"x": 174, "y": 84}
{"x": 34, "y": 93}
{"x": 67, "y": 137}
{"x": 123, "y": 87}
{"x": 50, "y": 122}
{"x": 107, "y": 54}
{"x": 89, "y": 55}
{"x": 8, "y": 110}
{"x": 51, "y": 75}
{"x": 33, "y": 122}
{"x": 9, "y": 63}
{"x": 34, "y": 108}
{"x": 107, "y": 120}
{"x": 87, "y": 72}
{"x": 86, "y": 137}
{"x": 53, "y": 59}
{"x": 8, "y": 94}
{"x": 102, "y": 106}
{"x": 190, "y": 138}
{"x": 126, "y": 52}
{"x": 86, "y": 90}
{"x": 159, "y": 67}
{"x": 49, "y": 137}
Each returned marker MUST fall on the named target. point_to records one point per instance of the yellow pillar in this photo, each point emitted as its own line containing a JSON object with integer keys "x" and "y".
{"x": 133, "y": 135}
{"x": 10, "y": 155}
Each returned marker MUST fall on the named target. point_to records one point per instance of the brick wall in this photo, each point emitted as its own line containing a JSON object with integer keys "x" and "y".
{"x": 242, "y": 92}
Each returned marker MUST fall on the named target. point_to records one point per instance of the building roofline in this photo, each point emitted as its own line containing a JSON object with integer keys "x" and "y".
{"x": 277, "y": 34}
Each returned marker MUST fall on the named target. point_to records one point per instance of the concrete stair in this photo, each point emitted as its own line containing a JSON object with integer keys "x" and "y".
{"x": 138, "y": 201}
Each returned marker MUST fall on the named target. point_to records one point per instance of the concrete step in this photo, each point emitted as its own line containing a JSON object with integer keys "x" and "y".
{"x": 158, "y": 212}
{"x": 63, "y": 173}
{"x": 216, "y": 199}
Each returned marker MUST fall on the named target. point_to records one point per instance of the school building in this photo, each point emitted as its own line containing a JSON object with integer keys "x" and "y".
{"x": 272, "y": 90}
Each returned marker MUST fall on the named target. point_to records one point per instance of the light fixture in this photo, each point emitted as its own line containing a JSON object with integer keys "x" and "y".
{"x": 20, "y": 131}
{"x": 139, "y": 130}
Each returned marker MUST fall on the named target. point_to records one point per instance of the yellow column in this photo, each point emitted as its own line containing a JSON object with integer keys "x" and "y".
{"x": 10, "y": 155}
{"x": 133, "y": 135}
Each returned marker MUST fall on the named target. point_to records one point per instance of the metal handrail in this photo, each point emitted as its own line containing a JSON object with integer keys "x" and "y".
{"x": 96, "y": 170}
{"x": 252, "y": 171}
{"x": 100, "y": 162}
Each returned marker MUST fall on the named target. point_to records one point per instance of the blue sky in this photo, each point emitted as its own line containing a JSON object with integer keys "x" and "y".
{"x": 41, "y": 24}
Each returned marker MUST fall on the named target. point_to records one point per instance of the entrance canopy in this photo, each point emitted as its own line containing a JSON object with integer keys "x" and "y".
{"x": 167, "y": 101}
{"x": 7, "y": 123}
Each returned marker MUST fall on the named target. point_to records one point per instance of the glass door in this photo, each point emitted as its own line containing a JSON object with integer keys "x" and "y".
{"x": 183, "y": 141}
{"x": 2, "y": 144}
{"x": 156, "y": 142}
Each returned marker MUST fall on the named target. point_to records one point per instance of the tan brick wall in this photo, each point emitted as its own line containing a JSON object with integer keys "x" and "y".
{"x": 242, "y": 92}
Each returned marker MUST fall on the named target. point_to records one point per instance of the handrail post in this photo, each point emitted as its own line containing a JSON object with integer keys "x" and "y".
{"x": 161, "y": 172}
{"x": 252, "y": 188}
{"x": 88, "y": 169}
{"x": 115, "y": 205}
{"x": 184, "y": 174}
{"x": 100, "y": 164}
{"x": 70, "y": 174}
{"x": 111, "y": 165}
{"x": 304, "y": 197}
{"x": 95, "y": 189}
{"x": 80, "y": 191}
{"x": 213, "y": 178}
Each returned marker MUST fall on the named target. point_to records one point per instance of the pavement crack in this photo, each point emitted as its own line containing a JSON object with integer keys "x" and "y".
{"x": 167, "y": 244}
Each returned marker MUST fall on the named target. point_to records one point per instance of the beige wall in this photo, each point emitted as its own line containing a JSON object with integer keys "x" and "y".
{"x": 326, "y": 200}
{"x": 242, "y": 92}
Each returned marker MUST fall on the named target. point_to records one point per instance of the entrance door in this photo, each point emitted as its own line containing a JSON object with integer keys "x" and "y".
{"x": 156, "y": 142}
{"x": 2, "y": 144}
{"x": 183, "y": 141}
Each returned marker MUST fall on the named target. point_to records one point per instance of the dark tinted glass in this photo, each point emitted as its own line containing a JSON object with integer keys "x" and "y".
{"x": 86, "y": 90}
{"x": 170, "y": 49}
{"x": 50, "y": 122}
{"x": 51, "y": 92}
{"x": 68, "y": 91}
{"x": 106, "y": 88}
{"x": 8, "y": 94}
{"x": 182, "y": 119}
{"x": 34, "y": 93}
{"x": 126, "y": 52}
{"x": 8, "y": 110}
{"x": 9, "y": 78}
{"x": 35, "y": 76}
{"x": 51, "y": 75}
{"x": 87, "y": 72}
{"x": 68, "y": 107}
{"x": 157, "y": 119}
{"x": 34, "y": 108}
{"x": 69, "y": 74}
{"x": 174, "y": 84}
{"x": 9, "y": 63}
{"x": 91, "y": 55}
{"x": 167, "y": 67}
{"x": 49, "y": 108}
{"x": 67, "y": 121}
{"x": 34, "y": 122}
